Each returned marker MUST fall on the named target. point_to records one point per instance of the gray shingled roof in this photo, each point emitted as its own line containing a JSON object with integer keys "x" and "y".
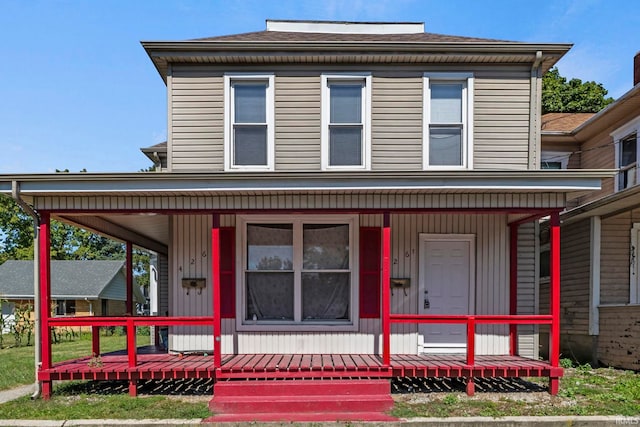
{"x": 82, "y": 279}
{"x": 284, "y": 36}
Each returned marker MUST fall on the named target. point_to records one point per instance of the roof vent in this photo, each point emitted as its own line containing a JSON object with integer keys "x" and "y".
{"x": 341, "y": 27}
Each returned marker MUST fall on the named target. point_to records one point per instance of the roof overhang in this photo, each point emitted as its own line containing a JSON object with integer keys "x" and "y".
{"x": 606, "y": 206}
{"x": 571, "y": 182}
{"x": 163, "y": 53}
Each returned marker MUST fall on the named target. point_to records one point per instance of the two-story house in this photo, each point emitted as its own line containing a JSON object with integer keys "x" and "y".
{"x": 600, "y": 303}
{"x": 341, "y": 201}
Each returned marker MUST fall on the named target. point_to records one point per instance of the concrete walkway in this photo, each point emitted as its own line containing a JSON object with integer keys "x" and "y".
{"x": 16, "y": 393}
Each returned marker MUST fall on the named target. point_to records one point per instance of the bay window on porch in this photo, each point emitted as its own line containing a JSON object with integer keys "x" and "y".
{"x": 297, "y": 272}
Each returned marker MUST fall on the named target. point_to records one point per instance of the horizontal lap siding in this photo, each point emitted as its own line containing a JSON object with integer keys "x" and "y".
{"x": 574, "y": 275}
{"x": 297, "y": 120}
{"x": 599, "y": 153}
{"x": 196, "y": 119}
{"x": 614, "y": 255}
{"x": 501, "y": 120}
{"x": 396, "y": 123}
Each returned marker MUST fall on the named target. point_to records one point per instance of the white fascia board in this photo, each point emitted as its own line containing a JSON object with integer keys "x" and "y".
{"x": 299, "y": 184}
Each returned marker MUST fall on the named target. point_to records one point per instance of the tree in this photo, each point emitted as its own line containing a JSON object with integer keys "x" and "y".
{"x": 16, "y": 231}
{"x": 573, "y": 96}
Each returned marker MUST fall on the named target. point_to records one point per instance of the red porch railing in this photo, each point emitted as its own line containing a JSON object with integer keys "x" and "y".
{"x": 471, "y": 321}
{"x": 130, "y": 323}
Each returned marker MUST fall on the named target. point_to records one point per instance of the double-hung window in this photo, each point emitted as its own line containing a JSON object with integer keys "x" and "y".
{"x": 249, "y": 124}
{"x": 448, "y": 121}
{"x": 298, "y": 272}
{"x": 626, "y": 143}
{"x": 346, "y": 111}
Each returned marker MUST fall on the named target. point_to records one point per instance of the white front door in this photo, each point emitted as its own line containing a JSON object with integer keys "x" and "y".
{"x": 447, "y": 271}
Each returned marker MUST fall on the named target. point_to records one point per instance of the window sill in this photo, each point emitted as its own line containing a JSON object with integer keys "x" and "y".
{"x": 296, "y": 327}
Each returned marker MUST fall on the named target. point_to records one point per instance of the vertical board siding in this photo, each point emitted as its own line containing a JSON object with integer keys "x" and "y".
{"x": 297, "y": 121}
{"x": 197, "y": 119}
{"x": 396, "y": 123}
{"x": 163, "y": 285}
{"x": 615, "y": 245}
{"x": 574, "y": 273}
{"x": 501, "y": 119}
{"x": 191, "y": 250}
{"x": 191, "y": 238}
{"x": 527, "y": 289}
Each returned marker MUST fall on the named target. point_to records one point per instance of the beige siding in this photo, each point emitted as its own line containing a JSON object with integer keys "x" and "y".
{"x": 307, "y": 201}
{"x": 196, "y": 131}
{"x": 396, "y": 123}
{"x": 614, "y": 253}
{"x": 196, "y": 114}
{"x": 297, "y": 121}
{"x": 619, "y": 340}
{"x": 501, "y": 119}
{"x": 574, "y": 274}
{"x": 189, "y": 259}
{"x": 599, "y": 153}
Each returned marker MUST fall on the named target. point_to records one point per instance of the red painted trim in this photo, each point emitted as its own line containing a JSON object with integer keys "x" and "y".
{"x": 215, "y": 272}
{"x": 535, "y": 212}
{"x": 131, "y": 342}
{"x": 228, "y": 272}
{"x": 513, "y": 286}
{"x": 45, "y": 289}
{"x": 520, "y": 319}
{"x": 471, "y": 340}
{"x": 95, "y": 340}
{"x": 103, "y": 321}
{"x": 386, "y": 289}
{"x": 129, "y": 276}
{"x": 554, "y": 280}
{"x": 370, "y": 260}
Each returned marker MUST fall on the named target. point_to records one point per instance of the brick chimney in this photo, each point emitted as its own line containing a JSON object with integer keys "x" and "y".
{"x": 636, "y": 69}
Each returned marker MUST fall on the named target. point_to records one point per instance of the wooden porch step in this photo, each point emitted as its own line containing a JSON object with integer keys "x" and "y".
{"x": 302, "y": 400}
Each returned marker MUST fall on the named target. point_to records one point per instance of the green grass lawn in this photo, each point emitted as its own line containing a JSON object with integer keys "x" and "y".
{"x": 18, "y": 362}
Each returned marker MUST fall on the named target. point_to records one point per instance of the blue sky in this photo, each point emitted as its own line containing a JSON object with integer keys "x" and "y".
{"x": 78, "y": 91}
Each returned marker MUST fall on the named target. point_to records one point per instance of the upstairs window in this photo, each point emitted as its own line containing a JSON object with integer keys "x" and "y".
{"x": 249, "y": 127}
{"x": 554, "y": 159}
{"x": 346, "y": 110}
{"x": 448, "y": 121}
{"x": 627, "y": 161}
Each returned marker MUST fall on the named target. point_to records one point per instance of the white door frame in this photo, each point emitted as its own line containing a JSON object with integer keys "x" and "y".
{"x": 428, "y": 237}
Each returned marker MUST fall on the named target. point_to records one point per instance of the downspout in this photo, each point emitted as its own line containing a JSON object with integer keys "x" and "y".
{"x": 15, "y": 193}
{"x": 534, "y": 112}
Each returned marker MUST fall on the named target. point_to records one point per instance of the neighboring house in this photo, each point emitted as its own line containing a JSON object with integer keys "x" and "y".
{"x": 600, "y": 292}
{"x": 340, "y": 200}
{"x": 78, "y": 288}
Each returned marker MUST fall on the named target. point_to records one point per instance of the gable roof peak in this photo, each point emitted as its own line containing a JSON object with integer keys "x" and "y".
{"x": 345, "y": 27}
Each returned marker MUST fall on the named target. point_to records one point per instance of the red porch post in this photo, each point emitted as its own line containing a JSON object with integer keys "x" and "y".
{"x": 554, "y": 303}
{"x": 217, "y": 306}
{"x": 513, "y": 286}
{"x": 471, "y": 353}
{"x": 45, "y": 298}
{"x": 129, "y": 267}
{"x": 386, "y": 289}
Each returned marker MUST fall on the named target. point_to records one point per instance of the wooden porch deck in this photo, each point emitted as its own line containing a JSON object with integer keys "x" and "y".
{"x": 154, "y": 365}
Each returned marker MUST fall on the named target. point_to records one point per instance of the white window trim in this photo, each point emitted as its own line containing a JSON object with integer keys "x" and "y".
{"x": 618, "y": 135}
{"x": 366, "y": 120}
{"x": 555, "y": 156}
{"x": 467, "y": 118}
{"x": 297, "y": 326}
{"x": 634, "y": 266}
{"x": 228, "y": 118}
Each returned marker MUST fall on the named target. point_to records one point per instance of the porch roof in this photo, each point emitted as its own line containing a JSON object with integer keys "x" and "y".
{"x": 570, "y": 182}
